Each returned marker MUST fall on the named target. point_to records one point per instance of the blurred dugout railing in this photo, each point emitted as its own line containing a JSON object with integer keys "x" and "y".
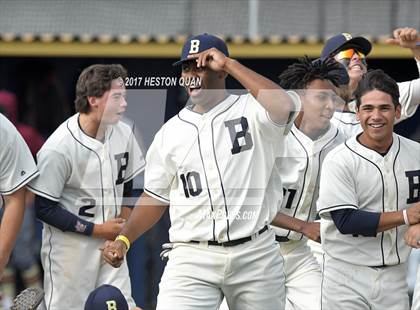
{"x": 256, "y": 22}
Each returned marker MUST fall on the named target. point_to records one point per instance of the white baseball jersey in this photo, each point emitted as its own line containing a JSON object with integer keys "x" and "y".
{"x": 86, "y": 177}
{"x": 409, "y": 99}
{"x": 216, "y": 170}
{"x": 300, "y": 170}
{"x": 17, "y": 166}
{"x": 356, "y": 177}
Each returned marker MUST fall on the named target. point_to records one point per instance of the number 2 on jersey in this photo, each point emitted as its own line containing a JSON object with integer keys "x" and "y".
{"x": 89, "y": 203}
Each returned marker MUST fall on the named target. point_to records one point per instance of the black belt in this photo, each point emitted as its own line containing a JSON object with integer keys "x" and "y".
{"x": 282, "y": 239}
{"x": 381, "y": 266}
{"x": 233, "y": 242}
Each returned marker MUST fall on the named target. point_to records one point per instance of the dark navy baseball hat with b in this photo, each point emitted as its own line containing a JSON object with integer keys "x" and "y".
{"x": 201, "y": 43}
{"x": 106, "y": 297}
{"x": 344, "y": 41}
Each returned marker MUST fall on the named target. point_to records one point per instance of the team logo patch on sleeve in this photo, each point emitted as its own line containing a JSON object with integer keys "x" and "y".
{"x": 80, "y": 227}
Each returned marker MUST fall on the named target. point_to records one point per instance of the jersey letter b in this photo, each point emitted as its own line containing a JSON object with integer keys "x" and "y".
{"x": 241, "y": 138}
{"x": 413, "y": 185}
{"x": 122, "y": 161}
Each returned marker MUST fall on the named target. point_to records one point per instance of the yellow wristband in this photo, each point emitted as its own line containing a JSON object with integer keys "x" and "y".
{"x": 125, "y": 240}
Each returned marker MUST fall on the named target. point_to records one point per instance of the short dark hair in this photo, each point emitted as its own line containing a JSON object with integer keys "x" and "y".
{"x": 377, "y": 79}
{"x": 300, "y": 74}
{"x": 94, "y": 81}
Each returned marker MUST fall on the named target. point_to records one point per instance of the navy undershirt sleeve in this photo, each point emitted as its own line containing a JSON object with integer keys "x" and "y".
{"x": 356, "y": 222}
{"x": 52, "y": 213}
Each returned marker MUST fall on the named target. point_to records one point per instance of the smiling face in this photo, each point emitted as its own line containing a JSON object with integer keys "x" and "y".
{"x": 377, "y": 114}
{"x": 211, "y": 82}
{"x": 318, "y": 105}
{"x": 356, "y": 65}
{"x": 111, "y": 106}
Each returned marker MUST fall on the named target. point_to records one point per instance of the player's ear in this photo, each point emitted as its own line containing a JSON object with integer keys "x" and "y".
{"x": 92, "y": 101}
{"x": 398, "y": 111}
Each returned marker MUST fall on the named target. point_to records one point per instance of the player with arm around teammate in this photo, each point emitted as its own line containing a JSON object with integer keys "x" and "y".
{"x": 86, "y": 167}
{"x": 213, "y": 162}
{"x": 312, "y": 136}
{"x": 366, "y": 200}
{"x": 17, "y": 168}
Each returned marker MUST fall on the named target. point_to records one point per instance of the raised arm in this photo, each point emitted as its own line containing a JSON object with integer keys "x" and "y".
{"x": 271, "y": 96}
{"x": 406, "y": 38}
{"x": 409, "y": 90}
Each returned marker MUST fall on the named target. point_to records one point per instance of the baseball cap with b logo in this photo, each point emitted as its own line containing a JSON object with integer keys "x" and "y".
{"x": 343, "y": 41}
{"x": 106, "y": 297}
{"x": 200, "y": 43}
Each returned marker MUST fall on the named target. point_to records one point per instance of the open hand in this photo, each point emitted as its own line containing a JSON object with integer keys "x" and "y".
{"x": 110, "y": 229}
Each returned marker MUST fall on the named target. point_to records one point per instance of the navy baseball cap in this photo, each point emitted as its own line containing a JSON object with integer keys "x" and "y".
{"x": 344, "y": 41}
{"x": 340, "y": 72}
{"x": 104, "y": 297}
{"x": 201, "y": 43}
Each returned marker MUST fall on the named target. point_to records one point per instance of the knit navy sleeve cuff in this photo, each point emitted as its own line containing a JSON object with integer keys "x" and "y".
{"x": 356, "y": 222}
{"x": 52, "y": 213}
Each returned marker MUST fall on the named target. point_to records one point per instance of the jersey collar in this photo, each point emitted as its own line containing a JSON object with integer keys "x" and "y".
{"x": 88, "y": 141}
{"x": 315, "y": 146}
{"x": 192, "y": 116}
{"x": 373, "y": 155}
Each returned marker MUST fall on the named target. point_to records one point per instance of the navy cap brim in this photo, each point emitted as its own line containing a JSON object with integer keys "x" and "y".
{"x": 180, "y": 62}
{"x": 360, "y": 43}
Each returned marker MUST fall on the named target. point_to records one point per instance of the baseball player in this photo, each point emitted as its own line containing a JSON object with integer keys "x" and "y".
{"x": 213, "y": 163}
{"x": 17, "y": 168}
{"x": 351, "y": 52}
{"x": 312, "y": 137}
{"x": 368, "y": 194}
{"x": 24, "y": 257}
{"x": 86, "y": 167}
